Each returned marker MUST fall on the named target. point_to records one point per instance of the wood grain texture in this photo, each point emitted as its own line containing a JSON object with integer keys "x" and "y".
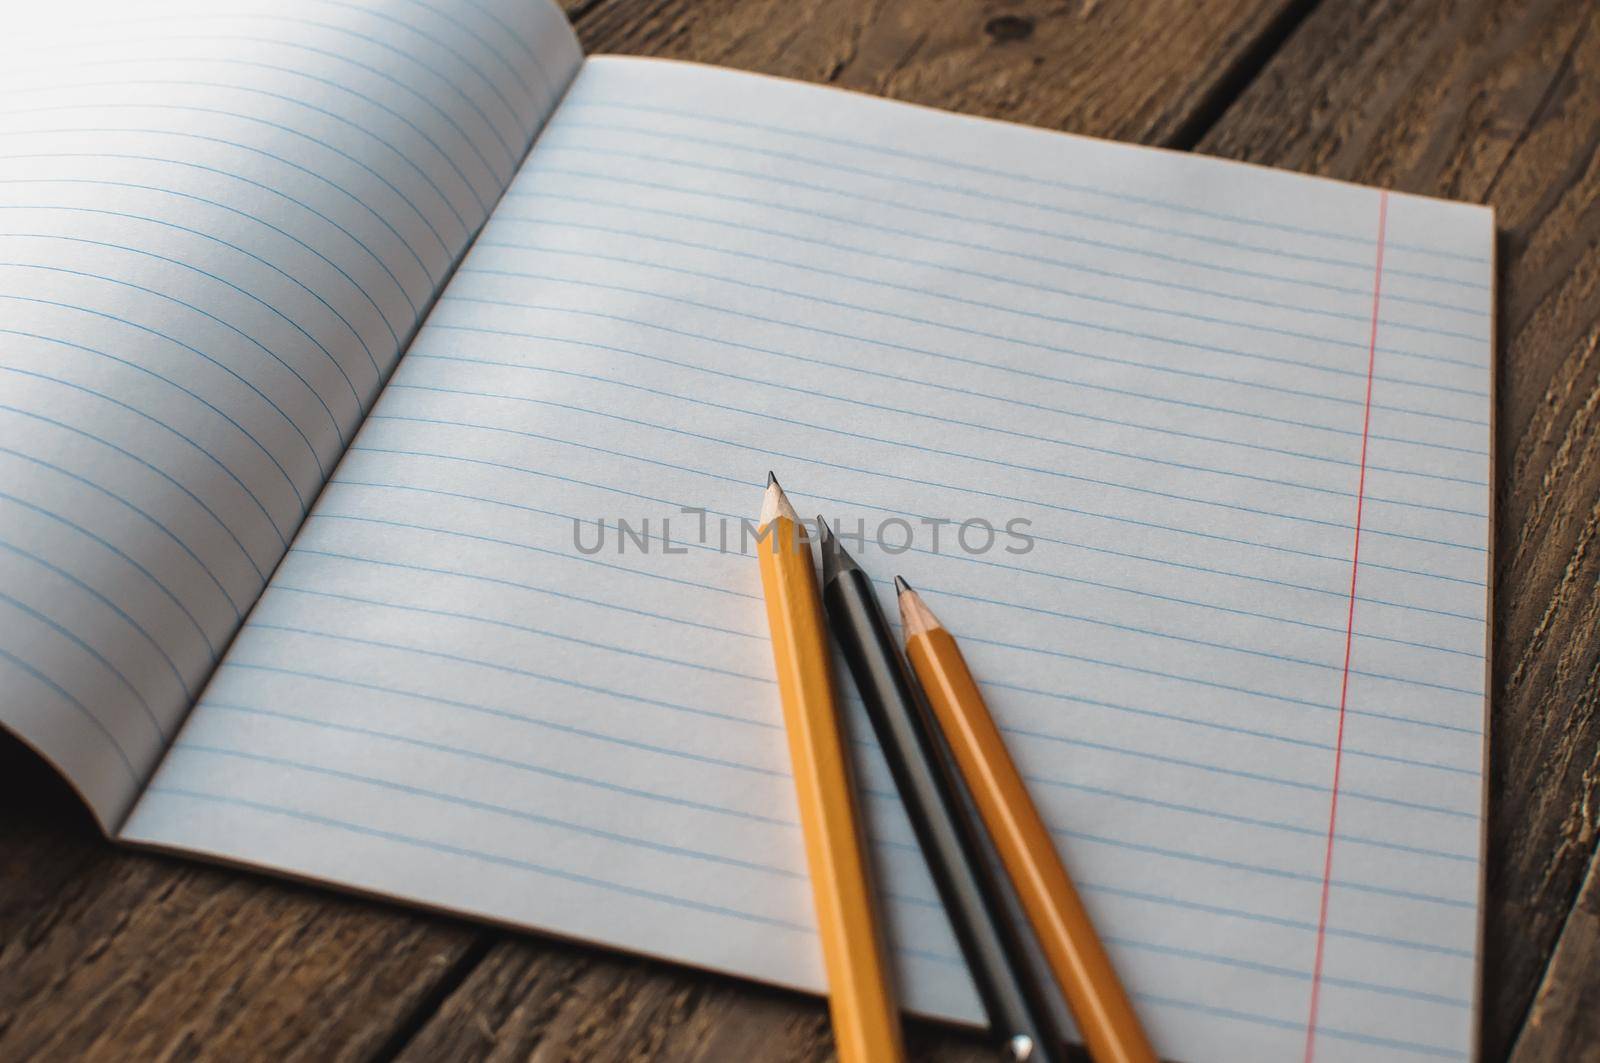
{"x": 1494, "y": 101}
{"x": 106, "y": 954}
{"x": 1564, "y": 1024}
{"x": 111, "y": 955}
{"x": 534, "y": 1001}
{"x": 1143, "y": 71}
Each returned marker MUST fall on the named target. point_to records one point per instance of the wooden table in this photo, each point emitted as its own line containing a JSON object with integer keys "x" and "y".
{"x": 110, "y": 955}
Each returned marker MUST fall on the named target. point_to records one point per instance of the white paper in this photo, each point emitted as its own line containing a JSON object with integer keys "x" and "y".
{"x": 219, "y": 225}
{"x": 1160, "y": 361}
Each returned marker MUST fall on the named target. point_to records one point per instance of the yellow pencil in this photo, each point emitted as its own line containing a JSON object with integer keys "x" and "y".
{"x": 1106, "y": 1019}
{"x": 866, "y": 1022}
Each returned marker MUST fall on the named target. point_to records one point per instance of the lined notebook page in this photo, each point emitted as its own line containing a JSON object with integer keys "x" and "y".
{"x": 219, "y": 224}
{"x": 1160, "y": 362}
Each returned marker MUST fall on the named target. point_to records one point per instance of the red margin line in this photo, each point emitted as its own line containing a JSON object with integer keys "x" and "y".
{"x": 1349, "y": 636}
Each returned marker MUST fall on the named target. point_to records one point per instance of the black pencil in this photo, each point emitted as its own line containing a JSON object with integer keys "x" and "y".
{"x": 988, "y": 920}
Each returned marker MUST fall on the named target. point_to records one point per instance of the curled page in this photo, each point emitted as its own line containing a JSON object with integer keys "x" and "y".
{"x": 220, "y": 224}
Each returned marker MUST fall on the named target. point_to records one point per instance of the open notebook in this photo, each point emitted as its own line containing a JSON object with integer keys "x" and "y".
{"x": 310, "y": 367}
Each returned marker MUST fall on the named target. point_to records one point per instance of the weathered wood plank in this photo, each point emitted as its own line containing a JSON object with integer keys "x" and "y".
{"x": 537, "y": 1001}
{"x": 1564, "y": 1023}
{"x": 1143, "y": 72}
{"x": 112, "y": 955}
{"x": 1496, "y": 102}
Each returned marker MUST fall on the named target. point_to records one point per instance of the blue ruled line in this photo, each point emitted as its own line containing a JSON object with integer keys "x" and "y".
{"x": 505, "y": 762}
{"x": 456, "y": 658}
{"x": 1277, "y": 971}
{"x": 135, "y": 565}
{"x": 680, "y": 754}
{"x": 986, "y": 196}
{"x": 196, "y": 232}
{"x": 926, "y": 292}
{"x": 858, "y": 224}
{"x": 1084, "y": 619}
{"x": 314, "y": 175}
{"x": 992, "y": 171}
{"x": 966, "y": 558}
{"x": 767, "y": 416}
{"x": 1164, "y": 900}
{"x": 472, "y": 854}
{"x": 334, "y": 362}
{"x": 357, "y": 285}
{"x": 990, "y": 195}
{"x": 735, "y": 718}
{"x": 767, "y": 680}
{"x": 484, "y": 710}
{"x": 156, "y": 524}
{"x": 333, "y": 421}
{"x": 446, "y": 300}
{"x": 919, "y": 482}
{"x": 1217, "y": 769}
{"x": 445, "y": 157}
{"x": 863, "y": 371}
{"x": 983, "y": 334}
{"x": 507, "y": 542}
{"x": 278, "y": 587}
{"x": 134, "y": 625}
{"x": 229, "y": 370}
{"x": 255, "y": 91}
{"x": 960, "y": 557}
{"x": 278, "y": 532}
{"x": 83, "y": 709}
{"x": 703, "y": 855}
{"x": 648, "y": 574}
{"x": 1298, "y": 1027}
{"x": 238, "y": 116}
{"x": 554, "y": 144}
{"x": 494, "y": 172}
{"x": 485, "y": 806}
{"x": 450, "y": 84}
{"x": 511, "y": 110}
{"x": 249, "y": 559}
{"x": 1233, "y": 865}
{"x": 488, "y": 44}
{"x": 515, "y": 37}
{"x": 287, "y": 479}
{"x": 497, "y": 581}
{"x": 712, "y": 857}
{"x": 99, "y": 658}
{"x": 1271, "y": 872}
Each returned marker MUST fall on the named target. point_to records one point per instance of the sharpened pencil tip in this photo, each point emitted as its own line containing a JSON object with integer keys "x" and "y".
{"x": 775, "y": 504}
{"x": 915, "y": 616}
{"x": 772, "y": 477}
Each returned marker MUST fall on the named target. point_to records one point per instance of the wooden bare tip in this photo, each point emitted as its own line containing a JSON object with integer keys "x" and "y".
{"x": 775, "y": 504}
{"x": 915, "y": 616}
